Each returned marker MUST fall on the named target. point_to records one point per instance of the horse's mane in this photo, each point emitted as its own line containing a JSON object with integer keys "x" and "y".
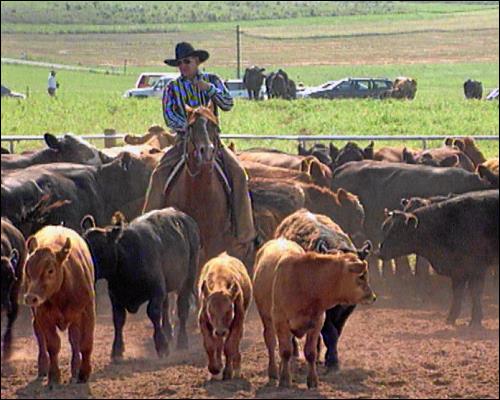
{"x": 194, "y": 113}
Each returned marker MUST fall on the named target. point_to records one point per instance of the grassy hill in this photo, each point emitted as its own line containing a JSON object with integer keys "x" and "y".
{"x": 168, "y": 12}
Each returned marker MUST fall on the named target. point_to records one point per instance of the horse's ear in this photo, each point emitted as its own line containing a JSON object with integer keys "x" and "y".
{"x": 231, "y": 146}
{"x": 305, "y": 166}
{"x": 32, "y": 244}
{"x": 189, "y": 110}
{"x": 204, "y": 289}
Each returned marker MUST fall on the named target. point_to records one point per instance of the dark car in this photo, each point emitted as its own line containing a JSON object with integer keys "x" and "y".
{"x": 349, "y": 88}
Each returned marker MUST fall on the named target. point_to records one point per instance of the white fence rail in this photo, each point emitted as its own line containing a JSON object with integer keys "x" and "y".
{"x": 289, "y": 137}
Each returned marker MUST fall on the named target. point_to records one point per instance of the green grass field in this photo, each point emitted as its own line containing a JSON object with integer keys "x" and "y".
{"x": 89, "y": 103}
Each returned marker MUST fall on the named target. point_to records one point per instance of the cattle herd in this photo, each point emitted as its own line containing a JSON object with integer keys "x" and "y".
{"x": 325, "y": 217}
{"x": 279, "y": 85}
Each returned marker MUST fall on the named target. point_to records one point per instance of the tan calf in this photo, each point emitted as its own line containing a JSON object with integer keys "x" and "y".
{"x": 225, "y": 292}
{"x": 59, "y": 288}
{"x": 292, "y": 291}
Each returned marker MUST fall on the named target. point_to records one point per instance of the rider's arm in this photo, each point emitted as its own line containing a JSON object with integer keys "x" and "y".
{"x": 173, "y": 110}
{"x": 219, "y": 94}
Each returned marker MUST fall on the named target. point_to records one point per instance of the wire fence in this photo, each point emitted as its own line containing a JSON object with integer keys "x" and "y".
{"x": 110, "y": 139}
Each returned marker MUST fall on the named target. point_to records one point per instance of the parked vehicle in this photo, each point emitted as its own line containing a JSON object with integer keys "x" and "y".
{"x": 348, "y": 88}
{"x": 237, "y": 88}
{"x": 149, "y": 79}
{"x": 6, "y": 92}
{"x": 153, "y": 91}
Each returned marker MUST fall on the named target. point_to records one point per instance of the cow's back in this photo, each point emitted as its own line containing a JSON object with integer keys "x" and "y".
{"x": 466, "y": 226}
{"x": 381, "y": 185}
{"x": 266, "y": 262}
{"x": 228, "y": 269}
{"x": 309, "y": 230}
{"x": 166, "y": 241}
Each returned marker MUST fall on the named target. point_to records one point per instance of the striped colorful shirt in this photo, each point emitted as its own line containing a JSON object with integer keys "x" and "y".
{"x": 181, "y": 91}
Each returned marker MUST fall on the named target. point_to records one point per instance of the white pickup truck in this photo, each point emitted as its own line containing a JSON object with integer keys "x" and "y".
{"x": 150, "y": 84}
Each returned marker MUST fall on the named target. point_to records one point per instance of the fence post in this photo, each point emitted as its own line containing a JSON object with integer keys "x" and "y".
{"x": 109, "y": 141}
{"x": 424, "y": 144}
{"x": 238, "y": 55}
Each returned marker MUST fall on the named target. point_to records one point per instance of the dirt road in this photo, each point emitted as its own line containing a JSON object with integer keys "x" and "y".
{"x": 398, "y": 348}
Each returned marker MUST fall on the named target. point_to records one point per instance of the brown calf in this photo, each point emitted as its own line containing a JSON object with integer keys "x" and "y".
{"x": 292, "y": 291}
{"x": 225, "y": 292}
{"x": 155, "y": 136}
{"x": 59, "y": 288}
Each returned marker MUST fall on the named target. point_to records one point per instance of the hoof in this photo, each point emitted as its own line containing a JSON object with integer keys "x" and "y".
{"x": 118, "y": 359}
{"x": 53, "y": 385}
{"x": 284, "y": 383}
{"x": 182, "y": 344}
{"x": 227, "y": 375}
{"x": 216, "y": 377}
{"x": 332, "y": 366}
{"x": 477, "y": 325}
{"x": 163, "y": 351}
{"x": 312, "y": 383}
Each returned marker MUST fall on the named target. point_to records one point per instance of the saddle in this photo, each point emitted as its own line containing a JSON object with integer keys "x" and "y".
{"x": 220, "y": 172}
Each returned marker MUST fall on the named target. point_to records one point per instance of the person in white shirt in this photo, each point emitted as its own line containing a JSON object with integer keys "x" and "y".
{"x": 52, "y": 85}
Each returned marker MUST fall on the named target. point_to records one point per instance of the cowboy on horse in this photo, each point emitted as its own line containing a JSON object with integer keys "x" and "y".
{"x": 193, "y": 91}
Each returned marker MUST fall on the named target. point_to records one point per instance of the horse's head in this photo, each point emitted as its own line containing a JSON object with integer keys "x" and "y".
{"x": 203, "y": 134}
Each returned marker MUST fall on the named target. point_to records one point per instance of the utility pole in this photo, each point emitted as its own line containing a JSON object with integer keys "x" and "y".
{"x": 238, "y": 57}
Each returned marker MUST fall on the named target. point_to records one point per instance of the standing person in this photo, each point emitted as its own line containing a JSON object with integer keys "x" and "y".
{"x": 195, "y": 88}
{"x": 52, "y": 84}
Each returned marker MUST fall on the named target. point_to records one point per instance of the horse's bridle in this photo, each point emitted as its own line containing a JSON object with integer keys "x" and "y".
{"x": 188, "y": 138}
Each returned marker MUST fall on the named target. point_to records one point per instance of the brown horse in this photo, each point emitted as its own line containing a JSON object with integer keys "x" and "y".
{"x": 200, "y": 191}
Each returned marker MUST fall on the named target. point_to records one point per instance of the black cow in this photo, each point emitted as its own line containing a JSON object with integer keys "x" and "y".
{"x": 458, "y": 236}
{"x": 473, "y": 89}
{"x": 318, "y": 150}
{"x": 155, "y": 254}
{"x": 381, "y": 185}
{"x": 14, "y": 255}
{"x": 352, "y": 152}
{"x": 316, "y": 232}
{"x": 69, "y": 148}
{"x": 80, "y": 190}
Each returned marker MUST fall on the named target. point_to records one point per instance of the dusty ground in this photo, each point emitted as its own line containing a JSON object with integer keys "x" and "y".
{"x": 398, "y": 348}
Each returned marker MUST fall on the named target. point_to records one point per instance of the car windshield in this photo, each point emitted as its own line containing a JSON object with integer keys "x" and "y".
{"x": 235, "y": 86}
{"x": 329, "y": 84}
{"x": 161, "y": 83}
{"x": 343, "y": 85}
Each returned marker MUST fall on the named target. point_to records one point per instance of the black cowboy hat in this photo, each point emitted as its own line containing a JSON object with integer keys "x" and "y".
{"x": 184, "y": 50}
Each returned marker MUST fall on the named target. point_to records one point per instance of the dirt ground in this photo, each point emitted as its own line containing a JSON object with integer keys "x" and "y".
{"x": 398, "y": 348}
